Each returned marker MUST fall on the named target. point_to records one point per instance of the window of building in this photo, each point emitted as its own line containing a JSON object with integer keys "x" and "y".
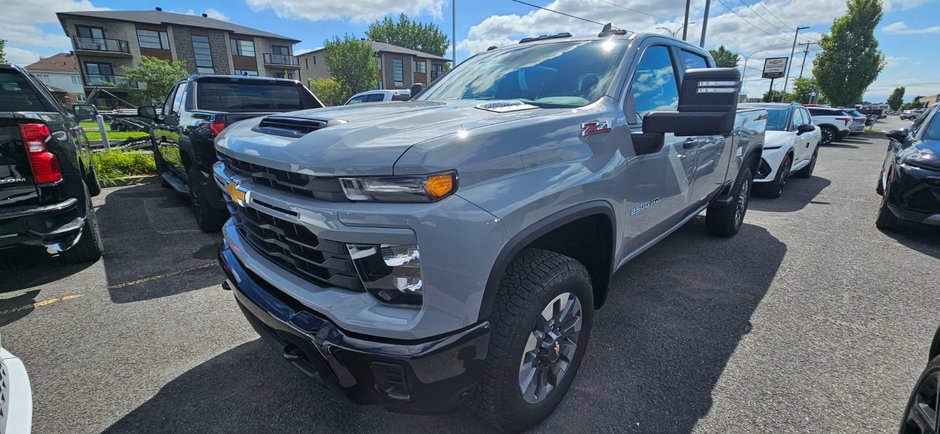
{"x": 437, "y": 70}
{"x": 314, "y": 60}
{"x": 42, "y": 77}
{"x": 654, "y": 83}
{"x": 284, "y": 74}
{"x": 693, "y": 61}
{"x": 398, "y": 73}
{"x": 379, "y": 60}
{"x": 153, "y": 39}
{"x": 89, "y": 32}
{"x": 247, "y": 72}
{"x": 280, "y": 49}
{"x": 243, "y": 48}
{"x": 99, "y": 73}
{"x": 76, "y": 80}
{"x": 421, "y": 66}
{"x": 203, "y": 54}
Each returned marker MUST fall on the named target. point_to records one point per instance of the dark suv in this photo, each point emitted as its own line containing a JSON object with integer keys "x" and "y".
{"x": 47, "y": 175}
{"x": 198, "y": 109}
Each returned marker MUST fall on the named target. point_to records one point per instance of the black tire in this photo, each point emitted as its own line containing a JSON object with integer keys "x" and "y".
{"x": 209, "y": 219}
{"x": 923, "y": 400}
{"x": 886, "y": 219}
{"x": 534, "y": 282}
{"x": 726, "y": 221}
{"x": 807, "y": 171}
{"x": 774, "y": 189}
{"x": 829, "y": 135}
{"x": 89, "y": 247}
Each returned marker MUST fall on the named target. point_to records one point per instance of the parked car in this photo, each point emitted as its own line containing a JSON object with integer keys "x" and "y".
{"x": 921, "y": 415}
{"x": 47, "y": 175}
{"x": 791, "y": 147}
{"x": 16, "y": 395}
{"x": 910, "y": 176}
{"x": 859, "y": 121}
{"x": 416, "y": 253}
{"x": 911, "y": 114}
{"x": 386, "y": 95}
{"x": 833, "y": 123}
{"x": 195, "y": 111}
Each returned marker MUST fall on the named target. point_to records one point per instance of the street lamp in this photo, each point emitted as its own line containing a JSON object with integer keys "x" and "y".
{"x": 744, "y": 73}
{"x": 675, "y": 32}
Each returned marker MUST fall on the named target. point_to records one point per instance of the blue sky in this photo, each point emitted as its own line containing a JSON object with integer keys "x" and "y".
{"x": 907, "y": 34}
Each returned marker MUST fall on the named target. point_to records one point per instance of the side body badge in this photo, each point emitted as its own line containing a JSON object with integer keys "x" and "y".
{"x": 594, "y": 127}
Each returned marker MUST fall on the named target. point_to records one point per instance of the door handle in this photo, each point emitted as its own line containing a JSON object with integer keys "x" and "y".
{"x": 689, "y": 143}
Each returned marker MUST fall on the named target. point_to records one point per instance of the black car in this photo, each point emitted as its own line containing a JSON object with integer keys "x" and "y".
{"x": 922, "y": 414}
{"x": 910, "y": 177}
{"x": 47, "y": 175}
{"x": 198, "y": 109}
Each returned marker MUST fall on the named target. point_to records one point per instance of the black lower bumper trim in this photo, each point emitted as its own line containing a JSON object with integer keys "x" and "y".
{"x": 40, "y": 225}
{"x": 429, "y": 376}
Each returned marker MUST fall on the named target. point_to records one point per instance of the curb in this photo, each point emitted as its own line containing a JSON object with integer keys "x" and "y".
{"x": 131, "y": 180}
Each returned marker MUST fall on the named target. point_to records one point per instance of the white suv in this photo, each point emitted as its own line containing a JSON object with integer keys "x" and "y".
{"x": 791, "y": 147}
{"x": 834, "y": 124}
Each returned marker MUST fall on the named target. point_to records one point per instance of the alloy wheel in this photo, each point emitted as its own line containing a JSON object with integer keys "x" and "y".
{"x": 741, "y": 203}
{"x": 550, "y": 348}
{"x": 923, "y": 412}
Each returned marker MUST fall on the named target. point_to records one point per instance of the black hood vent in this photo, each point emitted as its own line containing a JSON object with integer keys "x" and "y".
{"x": 289, "y": 126}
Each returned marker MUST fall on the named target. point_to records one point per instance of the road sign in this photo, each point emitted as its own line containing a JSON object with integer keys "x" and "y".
{"x": 774, "y": 67}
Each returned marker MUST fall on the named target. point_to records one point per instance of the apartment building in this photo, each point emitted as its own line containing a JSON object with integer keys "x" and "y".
{"x": 399, "y": 67}
{"x": 60, "y": 74}
{"x": 105, "y": 42}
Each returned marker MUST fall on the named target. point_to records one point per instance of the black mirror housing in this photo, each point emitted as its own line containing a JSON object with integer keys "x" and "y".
{"x": 147, "y": 111}
{"x": 708, "y": 103}
{"x": 416, "y": 89}
{"x": 805, "y": 128}
{"x": 899, "y": 134}
{"x": 85, "y": 111}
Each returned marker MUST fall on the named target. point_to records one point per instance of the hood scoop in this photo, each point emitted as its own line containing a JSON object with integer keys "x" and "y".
{"x": 290, "y": 126}
{"x": 505, "y": 106}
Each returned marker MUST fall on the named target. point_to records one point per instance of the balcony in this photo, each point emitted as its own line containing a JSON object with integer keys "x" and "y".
{"x": 112, "y": 81}
{"x": 281, "y": 60}
{"x": 101, "y": 46}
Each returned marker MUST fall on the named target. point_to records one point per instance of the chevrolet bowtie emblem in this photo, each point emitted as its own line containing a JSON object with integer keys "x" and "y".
{"x": 239, "y": 195}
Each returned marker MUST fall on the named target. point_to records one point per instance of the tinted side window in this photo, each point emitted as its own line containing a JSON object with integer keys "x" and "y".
{"x": 168, "y": 104}
{"x": 356, "y": 100}
{"x": 375, "y": 97}
{"x": 915, "y": 127}
{"x": 797, "y": 119}
{"x": 933, "y": 130}
{"x": 654, "y": 83}
{"x": 178, "y": 99}
{"x": 693, "y": 61}
{"x": 249, "y": 95}
{"x": 16, "y": 94}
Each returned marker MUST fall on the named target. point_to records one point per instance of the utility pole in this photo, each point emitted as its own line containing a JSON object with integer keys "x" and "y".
{"x": 701, "y": 43}
{"x": 790, "y": 60}
{"x": 453, "y": 30}
{"x": 685, "y": 25}
{"x": 805, "y": 52}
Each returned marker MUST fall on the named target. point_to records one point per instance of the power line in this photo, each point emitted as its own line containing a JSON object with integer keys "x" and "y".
{"x": 558, "y": 12}
{"x": 742, "y": 18}
{"x": 775, "y": 15}
{"x": 760, "y": 16}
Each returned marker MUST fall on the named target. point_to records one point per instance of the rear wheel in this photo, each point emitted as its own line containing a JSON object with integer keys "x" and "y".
{"x": 541, "y": 325}
{"x": 726, "y": 220}
{"x": 922, "y": 415}
{"x": 807, "y": 171}
{"x": 886, "y": 220}
{"x": 88, "y": 248}
{"x": 829, "y": 135}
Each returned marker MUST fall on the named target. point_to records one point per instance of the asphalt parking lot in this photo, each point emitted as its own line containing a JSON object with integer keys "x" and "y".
{"x": 810, "y": 320}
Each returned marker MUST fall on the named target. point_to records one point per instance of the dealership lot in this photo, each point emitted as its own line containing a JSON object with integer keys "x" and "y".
{"x": 809, "y": 320}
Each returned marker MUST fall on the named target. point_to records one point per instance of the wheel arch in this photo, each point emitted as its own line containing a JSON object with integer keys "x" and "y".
{"x": 571, "y": 232}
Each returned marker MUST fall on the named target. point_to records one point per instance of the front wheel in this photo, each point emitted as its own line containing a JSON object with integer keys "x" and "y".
{"x": 922, "y": 414}
{"x": 726, "y": 220}
{"x": 886, "y": 219}
{"x": 541, "y": 325}
{"x": 208, "y": 218}
{"x": 774, "y": 189}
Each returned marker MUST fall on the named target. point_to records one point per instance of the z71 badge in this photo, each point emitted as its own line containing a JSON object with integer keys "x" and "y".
{"x": 594, "y": 127}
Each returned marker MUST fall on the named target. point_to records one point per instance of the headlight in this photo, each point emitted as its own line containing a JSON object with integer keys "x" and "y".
{"x": 922, "y": 159}
{"x": 425, "y": 188}
{"x": 392, "y": 273}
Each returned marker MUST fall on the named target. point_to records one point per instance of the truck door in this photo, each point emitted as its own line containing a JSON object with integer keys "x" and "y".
{"x": 166, "y": 130}
{"x": 657, "y": 185}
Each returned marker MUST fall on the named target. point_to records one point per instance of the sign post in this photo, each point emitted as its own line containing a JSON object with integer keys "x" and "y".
{"x": 774, "y": 67}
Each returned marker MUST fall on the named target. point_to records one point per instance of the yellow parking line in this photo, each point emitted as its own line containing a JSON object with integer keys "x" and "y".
{"x": 161, "y": 276}
{"x": 43, "y": 303}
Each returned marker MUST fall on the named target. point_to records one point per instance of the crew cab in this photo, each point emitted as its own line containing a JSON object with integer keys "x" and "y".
{"x": 416, "y": 253}
{"x": 195, "y": 111}
{"x": 791, "y": 147}
{"x": 909, "y": 182}
{"x": 833, "y": 124}
{"x": 47, "y": 175}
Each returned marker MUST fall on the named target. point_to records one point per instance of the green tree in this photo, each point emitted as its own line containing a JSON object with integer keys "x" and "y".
{"x": 328, "y": 91}
{"x": 157, "y": 75}
{"x": 773, "y": 96}
{"x": 3, "y": 54}
{"x": 725, "y": 58}
{"x": 425, "y": 37}
{"x": 896, "y": 98}
{"x": 352, "y": 64}
{"x": 803, "y": 90}
{"x": 850, "y": 60}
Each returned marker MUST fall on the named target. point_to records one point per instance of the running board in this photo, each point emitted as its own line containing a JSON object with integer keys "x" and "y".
{"x": 175, "y": 182}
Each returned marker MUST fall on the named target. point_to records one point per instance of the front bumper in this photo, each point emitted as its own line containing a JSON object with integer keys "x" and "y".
{"x": 16, "y": 405}
{"x": 426, "y": 376}
{"x": 57, "y": 225}
{"x": 914, "y": 194}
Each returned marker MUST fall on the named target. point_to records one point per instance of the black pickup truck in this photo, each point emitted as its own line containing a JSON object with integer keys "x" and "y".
{"x": 195, "y": 111}
{"x": 47, "y": 175}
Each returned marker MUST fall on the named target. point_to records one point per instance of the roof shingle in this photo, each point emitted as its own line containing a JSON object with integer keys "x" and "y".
{"x": 61, "y": 63}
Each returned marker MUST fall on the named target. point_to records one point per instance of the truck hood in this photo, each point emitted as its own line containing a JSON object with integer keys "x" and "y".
{"x": 364, "y": 139}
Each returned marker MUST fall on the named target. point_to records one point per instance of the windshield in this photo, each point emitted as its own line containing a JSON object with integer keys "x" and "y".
{"x": 777, "y": 119}
{"x": 562, "y": 74}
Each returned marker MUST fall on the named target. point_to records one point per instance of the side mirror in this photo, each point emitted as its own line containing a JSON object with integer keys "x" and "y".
{"x": 416, "y": 89}
{"x": 85, "y": 111}
{"x": 708, "y": 103}
{"x": 899, "y": 134}
{"x": 147, "y": 111}
{"x": 805, "y": 128}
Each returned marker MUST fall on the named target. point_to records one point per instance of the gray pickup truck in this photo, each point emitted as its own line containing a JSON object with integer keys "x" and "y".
{"x": 456, "y": 246}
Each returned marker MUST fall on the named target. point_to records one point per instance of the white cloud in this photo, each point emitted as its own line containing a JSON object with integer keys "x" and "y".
{"x": 356, "y": 10}
{"x": 20, "y": 56}
{"x": 20, "y": 22}
{"x": 899, "y": 28}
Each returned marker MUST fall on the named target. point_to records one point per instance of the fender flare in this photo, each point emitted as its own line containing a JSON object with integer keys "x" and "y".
{"x": 535, "y": 231}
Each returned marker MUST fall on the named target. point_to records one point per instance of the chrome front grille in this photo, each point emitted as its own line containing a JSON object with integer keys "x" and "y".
{"x": 326, "y": 189}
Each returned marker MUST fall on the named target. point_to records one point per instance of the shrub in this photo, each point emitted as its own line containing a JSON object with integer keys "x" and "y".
{"x": 111, "y": 165}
